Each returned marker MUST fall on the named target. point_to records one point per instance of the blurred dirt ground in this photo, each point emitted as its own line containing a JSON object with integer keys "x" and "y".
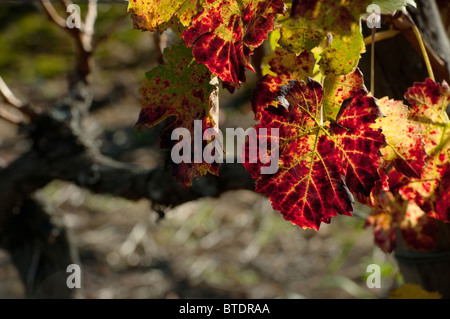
{"x": 234, "y": 246}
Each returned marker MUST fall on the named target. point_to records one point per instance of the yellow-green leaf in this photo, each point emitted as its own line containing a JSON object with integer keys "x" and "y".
{"x": 152, "y": 15}
{"x": 343, "y": 53}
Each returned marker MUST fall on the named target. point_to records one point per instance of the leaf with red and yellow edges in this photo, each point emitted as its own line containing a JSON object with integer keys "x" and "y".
{"x": 320, "y": 164}
{"x": 419, "y": 201}
{"x": 180, "y": 89}
{"x": 152, "y": 15}
{"x": 284, "y": 66}
{"x": 392, "y": 213}
{"x": 405, "y": 149}
{"x": 225, "y": 32}
{"x": 428, "y": 101}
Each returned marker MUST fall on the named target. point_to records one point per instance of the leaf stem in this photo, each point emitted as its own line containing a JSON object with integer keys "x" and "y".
{"x": 422, "y": 48}
{"x": 442, "y": 142}
{"x": 372, "y": 63}
{"x": 379, "y": 36}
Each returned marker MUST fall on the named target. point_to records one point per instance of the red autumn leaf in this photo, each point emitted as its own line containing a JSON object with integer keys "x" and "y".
{"x": 391, "y": 213}
{"x": 384, "y": 225}
{"x": 417, "y": 200}
{"x": 386, "y": 213}
{"x": 428, "y": 102}
{"x": 225, "y": 32}
{"x": 405, "y": 149}
{"x": 180, "y": 90}
{"x": 418, "y": 230}
{"x": 320, "y": 164}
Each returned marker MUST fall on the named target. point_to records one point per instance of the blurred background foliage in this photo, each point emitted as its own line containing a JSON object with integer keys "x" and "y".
{"x": 235, "y": 246}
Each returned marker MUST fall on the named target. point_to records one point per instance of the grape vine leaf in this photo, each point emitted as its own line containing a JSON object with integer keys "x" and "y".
{"x": 179, "y": 89}
{"x": 384, "y": 226}
{"x": 339, "y": 16}
{"x": 342, "y": 55}
{"x": 282, "y": 67}
{"x": 296, "y": 36}
{"x": 150, "y": 15}
{"x": 225, "y": 33}
{"x": 339, "y": 88}
{"x": 414, "y": 203}
{"x": 328, "y": 15}
{"x": 406, "y": 150}
{"x": 311, "y": 22}
{"x": 320, "y": 164}
{"x": 417, "y": 229}
{"x": 427, "y": 104}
